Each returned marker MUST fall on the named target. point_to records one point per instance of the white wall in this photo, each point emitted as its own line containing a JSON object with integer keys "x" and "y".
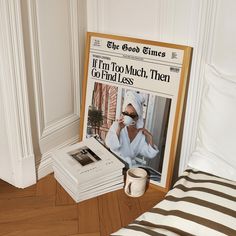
{"x": 207, "y": 26}
{"x": 223, "y": 54}
{"x": 51, "y": 36}
{"x": 161, "y": 20}
{"x": 16, "y": 156}
{"x": 41, "y": 45}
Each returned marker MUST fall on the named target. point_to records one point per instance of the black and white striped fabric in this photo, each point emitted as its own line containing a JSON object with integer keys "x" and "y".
{"x": 199, "y": 204}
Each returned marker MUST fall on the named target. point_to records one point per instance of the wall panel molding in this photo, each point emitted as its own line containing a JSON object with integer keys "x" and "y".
{"x": 75, "y": 52}
{"x": 55, "y": 130}
{"x": 44, "y": 165}
{"x": 15, "y": 94}
{"x": 46, "y": 128}
{"x": 36, "y": 66}
{"x": 202, "y": 54}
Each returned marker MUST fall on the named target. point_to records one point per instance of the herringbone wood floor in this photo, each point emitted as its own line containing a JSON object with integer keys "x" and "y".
{"x": 45, "y": 209}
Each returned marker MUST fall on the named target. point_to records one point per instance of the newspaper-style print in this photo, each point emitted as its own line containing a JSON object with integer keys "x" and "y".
{"x": 131, "y": 96}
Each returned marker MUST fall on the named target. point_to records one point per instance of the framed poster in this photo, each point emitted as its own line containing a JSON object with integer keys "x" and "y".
{"x": 133, "y": 95}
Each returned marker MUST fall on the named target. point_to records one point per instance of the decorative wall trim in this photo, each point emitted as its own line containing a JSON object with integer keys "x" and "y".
{"x": 83, "y": 28}
{"x": 15, "y": 94}
{"x": 58, "y": 137}
{"x": 36, "y": 70}
{"x": 75, "y": 52}
{"x": 57, "y": 125}
{"x": 214, "y": 7}
{"x": 25, "y": 172}
{"x": 44, "y": 165}
{"x": 45, "y": 129}
{"x": 202, "y": 53}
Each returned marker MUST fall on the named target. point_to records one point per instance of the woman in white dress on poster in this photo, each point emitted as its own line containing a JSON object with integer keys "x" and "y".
{"x": 127, "y": 137}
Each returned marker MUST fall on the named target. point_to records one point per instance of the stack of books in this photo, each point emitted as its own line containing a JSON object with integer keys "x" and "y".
{"x": 87, "y": 169}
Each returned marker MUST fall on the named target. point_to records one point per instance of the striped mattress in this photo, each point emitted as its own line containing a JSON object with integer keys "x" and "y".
{"x": 199, "y": 204}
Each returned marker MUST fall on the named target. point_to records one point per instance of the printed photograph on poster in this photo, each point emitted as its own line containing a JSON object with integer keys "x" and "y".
{"x": 84, "y": 156}
{"x": 133, "y": 95}
{"x": 133, "y": 125}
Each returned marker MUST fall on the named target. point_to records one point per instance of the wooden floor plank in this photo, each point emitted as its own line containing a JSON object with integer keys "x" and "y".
{"x": 62, "y": 197}
{"x": 52, "y": 229}
{"x": 46, "y": 186}
{"x": 9, "y": 191}
{"x": 26, "y": 203}
{"x": 109, "y": 213}
{"x": 47, "y": 209}
{"x": 89, "y": 234}
{"x": 151, "y": 197}
{"x": 46, "y": 221}
{"x": 88, "y": 216}
{"x": 129, "y": 208}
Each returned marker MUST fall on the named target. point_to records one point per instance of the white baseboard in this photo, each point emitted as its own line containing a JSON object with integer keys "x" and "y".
{"x": 24, "y": 174}
{"x": 44, "y": 165}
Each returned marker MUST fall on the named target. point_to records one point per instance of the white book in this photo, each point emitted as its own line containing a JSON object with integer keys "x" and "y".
{"x": 93, "y": 182}
{"x": 87, "y": 161}
{"x": 89, "y": 188}
{"x": 87, "y": 169}
{"x": 82, "y": 197}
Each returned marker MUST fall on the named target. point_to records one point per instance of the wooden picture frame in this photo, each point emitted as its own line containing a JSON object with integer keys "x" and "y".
{"x": 152, "y": 77}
